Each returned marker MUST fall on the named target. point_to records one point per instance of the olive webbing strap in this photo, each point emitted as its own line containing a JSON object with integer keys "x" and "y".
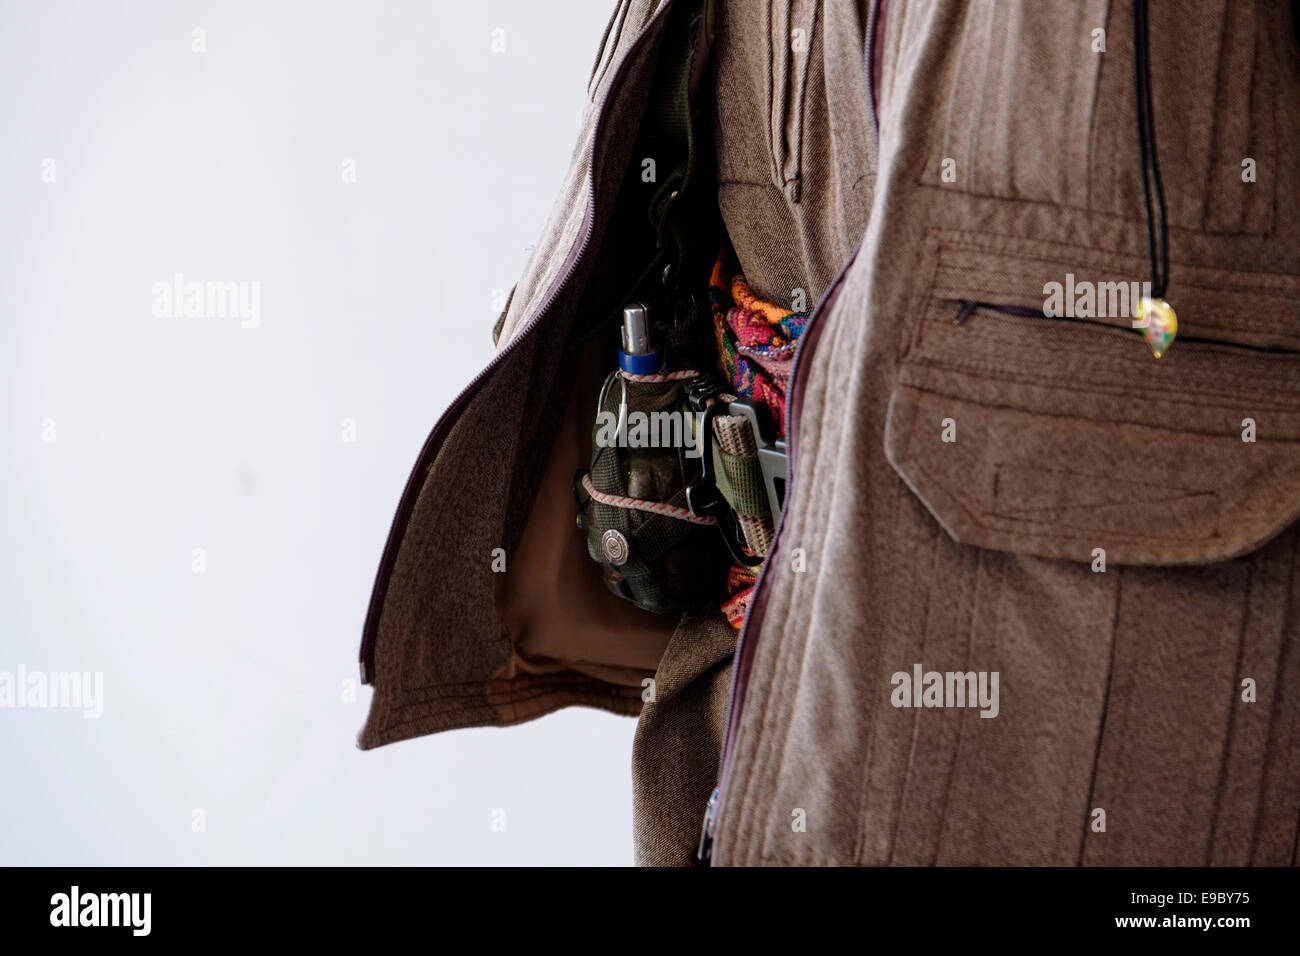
{"x": 652, "y": 534}
{"x": 667, "y": 131}
{"x": 740, "y": 480}
{"x": 671, "y": 119}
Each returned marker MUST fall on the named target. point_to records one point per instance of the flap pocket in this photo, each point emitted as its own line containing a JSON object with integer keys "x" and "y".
{"x": 1059, "y": 436}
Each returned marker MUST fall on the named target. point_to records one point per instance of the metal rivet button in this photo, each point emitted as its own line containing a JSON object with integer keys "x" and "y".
{"x": 615, "y": 546}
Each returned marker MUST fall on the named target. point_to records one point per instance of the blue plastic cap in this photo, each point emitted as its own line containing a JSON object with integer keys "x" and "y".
{"x": 647, "y": 364}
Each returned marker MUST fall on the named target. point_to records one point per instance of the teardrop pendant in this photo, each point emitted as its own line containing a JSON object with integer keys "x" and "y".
{"x": 1158, "y": 322}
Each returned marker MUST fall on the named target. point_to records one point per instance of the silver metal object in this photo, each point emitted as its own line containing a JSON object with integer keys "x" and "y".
{"x": 620, "y": 430}
{"x": 773, "y": 456}
{"x": 615, "y": 547}
{"x": 636, "y": 329}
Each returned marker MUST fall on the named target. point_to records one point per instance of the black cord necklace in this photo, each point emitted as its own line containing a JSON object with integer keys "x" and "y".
{"x": 1153, "y": 315}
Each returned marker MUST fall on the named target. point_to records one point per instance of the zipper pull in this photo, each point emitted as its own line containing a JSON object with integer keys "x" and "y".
{"x": 706, "y": 832}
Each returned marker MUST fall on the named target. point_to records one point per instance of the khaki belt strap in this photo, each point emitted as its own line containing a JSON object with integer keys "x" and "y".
{"x": 740, "y": 480}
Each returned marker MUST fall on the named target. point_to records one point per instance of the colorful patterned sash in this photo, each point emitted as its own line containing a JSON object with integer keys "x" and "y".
{"x": 756, "y": 345}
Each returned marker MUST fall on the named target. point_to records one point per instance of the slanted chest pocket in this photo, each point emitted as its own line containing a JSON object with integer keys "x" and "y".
{"x": 764, "y": 66}
{"x": 791, "y": 28}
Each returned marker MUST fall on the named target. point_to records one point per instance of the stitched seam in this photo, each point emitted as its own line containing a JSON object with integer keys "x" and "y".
{"x": 494, "y": 719}
{"x": 1277, "y": 713}
{"x": 1020, "y": 248}
{"x": 925, "y": 181}
{"x": 963, "y": 718}
{"x": 1225, "y": 755}
{"x": 1207, "y": 395}
{"x": 1105, "y": 713}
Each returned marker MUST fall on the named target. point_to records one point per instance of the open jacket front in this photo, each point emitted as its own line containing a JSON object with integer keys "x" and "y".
{"x": 953, "y": 483}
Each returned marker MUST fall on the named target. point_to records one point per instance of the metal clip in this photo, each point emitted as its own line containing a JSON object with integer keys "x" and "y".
{"x": 773, "y": 454}
{"x": 702, "y": 495}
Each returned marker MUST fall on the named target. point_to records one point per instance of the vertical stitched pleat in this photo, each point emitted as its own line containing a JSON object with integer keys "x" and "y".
{"x": 1259, "y": 657}
{"x": 1276, "y": 822}
{"x": 1168, "y": 714}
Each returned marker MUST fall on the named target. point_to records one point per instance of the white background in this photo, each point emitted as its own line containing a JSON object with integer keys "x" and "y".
{"x": 223, "y": 690}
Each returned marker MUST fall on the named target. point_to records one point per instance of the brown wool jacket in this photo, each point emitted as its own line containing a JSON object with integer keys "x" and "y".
{"x": 1034, "y": 498}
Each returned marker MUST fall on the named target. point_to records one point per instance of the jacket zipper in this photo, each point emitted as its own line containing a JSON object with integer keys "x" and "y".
{"x": 705, "y": 848}
{"x": 432, "y": 444}
{"x": 967, "y": 308}
{"x": 757, "y": 607}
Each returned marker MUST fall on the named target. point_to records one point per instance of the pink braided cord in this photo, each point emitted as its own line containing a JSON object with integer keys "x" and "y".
{"x": 659, "y": 376}
{"x": 636, "y": 504}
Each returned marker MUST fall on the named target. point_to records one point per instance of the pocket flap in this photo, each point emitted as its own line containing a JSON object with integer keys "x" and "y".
{"x": 1055, "y": 487}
